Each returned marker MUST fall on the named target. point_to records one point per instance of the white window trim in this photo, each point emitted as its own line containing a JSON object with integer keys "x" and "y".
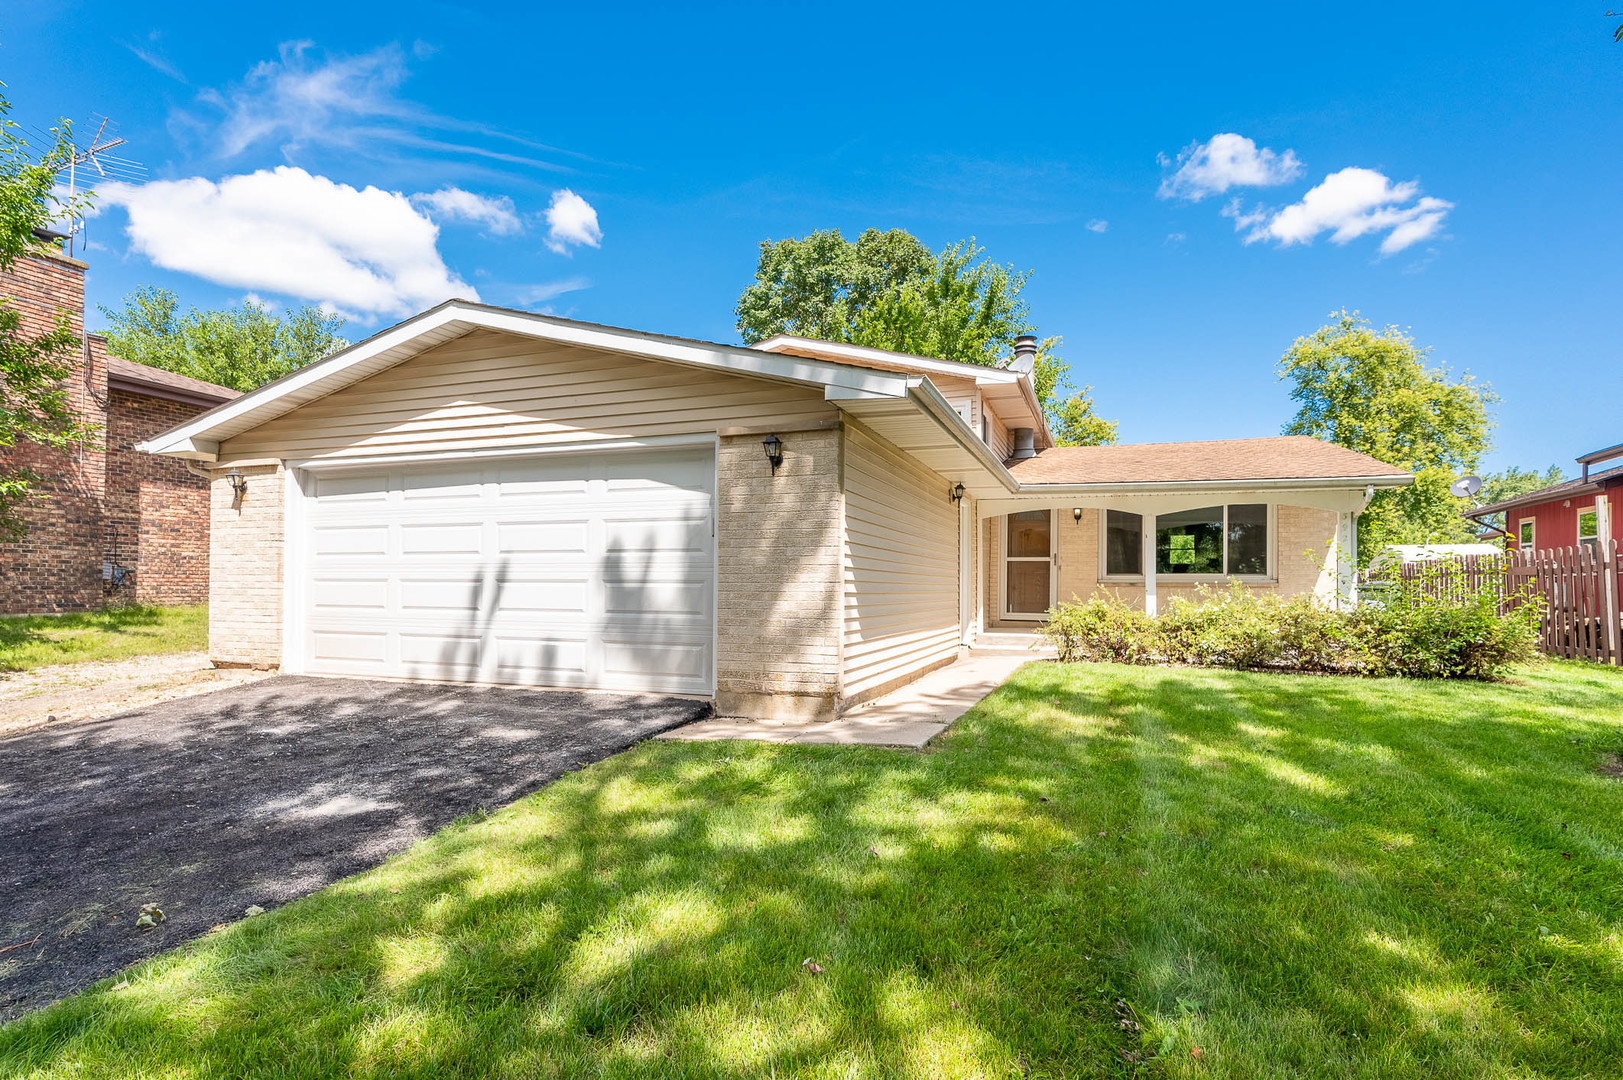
{"x": 1269, "y": 577}
{"x": 1578, "y": 524}
{"x": 1527, "y": 545}
{"x": 1003, "y": 569}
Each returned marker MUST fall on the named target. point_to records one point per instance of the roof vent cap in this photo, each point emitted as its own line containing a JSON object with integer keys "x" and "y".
{"x": 1024, "y": 359}
{"x": 1025, "y": 443}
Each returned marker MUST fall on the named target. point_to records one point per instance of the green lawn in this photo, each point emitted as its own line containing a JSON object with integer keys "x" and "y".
{"x": 29, "y": 641}
{"x": 1298, "y": 876}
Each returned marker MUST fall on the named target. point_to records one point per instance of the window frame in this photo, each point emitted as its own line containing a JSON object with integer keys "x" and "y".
{"x": 1530, "y": 526}
{"x": 1270, "y": 575}
{"x": 1578, "y": 525}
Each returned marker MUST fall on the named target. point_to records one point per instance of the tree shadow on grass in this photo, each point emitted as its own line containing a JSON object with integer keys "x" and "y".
{"x": 1249, "y": 860}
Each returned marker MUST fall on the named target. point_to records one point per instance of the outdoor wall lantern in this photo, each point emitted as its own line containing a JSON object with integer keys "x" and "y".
{"x": 774, "y": 451}
{"x": 956, "y": 492}
{"x": 239, "y": 483}
{"x": 1076, "y": 513}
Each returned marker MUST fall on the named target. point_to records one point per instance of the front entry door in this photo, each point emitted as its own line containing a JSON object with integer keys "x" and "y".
{"x": 1028, "y": 564}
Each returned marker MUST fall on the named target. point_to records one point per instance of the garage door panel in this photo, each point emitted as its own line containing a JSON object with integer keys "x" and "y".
{"x": 466, "y": 538}
{"x": 350, "y": 646}
{"x": 540, "y": 661}
{"x": 447, "y": 594}
{"x": 458, "y": 486}
{"x": 589, "y": 570}
{"x": 352, "y": 489}
{"x": 351, "y": 540}
{"x": 518, "y": 597}
{"x": 357, "y": 594}
{"x": 542, "y": 537}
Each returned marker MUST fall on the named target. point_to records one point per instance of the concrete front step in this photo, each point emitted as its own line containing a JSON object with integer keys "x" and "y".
{"x": 908, "y": 716}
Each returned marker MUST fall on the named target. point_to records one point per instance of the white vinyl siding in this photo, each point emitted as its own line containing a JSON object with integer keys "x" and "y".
{"x": 491, "y": 390}
{"x": 581, "y": 570}
{"x": 901, "y": 567}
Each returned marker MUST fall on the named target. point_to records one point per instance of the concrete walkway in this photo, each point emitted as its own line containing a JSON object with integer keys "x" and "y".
{"x": 909, "y": 716}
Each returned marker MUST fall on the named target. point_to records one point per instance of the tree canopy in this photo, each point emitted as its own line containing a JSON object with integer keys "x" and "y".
{"x": 34, "y": 408}
{"x": 1372, "y": 391}
{"x": 241, "y": 347}
{"x": 887, "y": 290}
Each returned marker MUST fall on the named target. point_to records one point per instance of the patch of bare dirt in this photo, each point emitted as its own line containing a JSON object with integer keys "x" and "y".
{"x": 68, "y": 692}
{"x": 1612, "y": 765}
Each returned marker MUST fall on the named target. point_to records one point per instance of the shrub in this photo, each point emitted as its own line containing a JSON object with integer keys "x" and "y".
{"x": 1403, "y": 631}
{"x": 1103, "y": 628}
{"x": 1412, "y": 633}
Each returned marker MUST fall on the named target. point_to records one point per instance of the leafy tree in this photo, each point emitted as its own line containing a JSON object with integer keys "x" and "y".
{"x": 34, "y": 408}
{"x": 1496, "y": 487}
{"x": 887, "y": 290}
{"x": 242, "y": 347}
{"x": 1373, "y": 392}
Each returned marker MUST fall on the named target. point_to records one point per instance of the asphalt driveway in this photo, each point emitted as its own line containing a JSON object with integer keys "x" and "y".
{"x": 257, "y": 795}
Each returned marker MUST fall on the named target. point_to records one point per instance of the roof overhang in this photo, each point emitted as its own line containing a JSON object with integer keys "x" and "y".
{"x": 1011, "y": 390}
{"x": 200, "y": 438}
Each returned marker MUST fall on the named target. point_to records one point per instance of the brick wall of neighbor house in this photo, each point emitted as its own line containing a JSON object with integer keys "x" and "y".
{"x": 156, "y": 509}
{"x": 57, "y": 565}
{"x": 103, "y": 502}
{"x": 245, "y": 549}
{"x": 779, "y": 592}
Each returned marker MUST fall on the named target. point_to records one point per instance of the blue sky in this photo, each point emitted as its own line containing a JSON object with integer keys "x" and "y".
{"x": 621, "y": 163}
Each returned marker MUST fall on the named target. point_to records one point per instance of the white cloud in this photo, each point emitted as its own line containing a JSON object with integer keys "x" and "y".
{"x": 1226, "y": 160}
{"x": 309, "y": 97}
{"x": 571, "y": 220}
{"x": 368, "y": 252}
{"x": 496, "y": 214}
{"x": 551, "y": 290}
{"x": 1098, "y": 225}
{"x": 1348, "y": 204}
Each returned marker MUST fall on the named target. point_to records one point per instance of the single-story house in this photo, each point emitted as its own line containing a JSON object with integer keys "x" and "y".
{"x": 1567, "y": 515}
{"x": 114, "y": 523}
{"x": 496, "y": 496}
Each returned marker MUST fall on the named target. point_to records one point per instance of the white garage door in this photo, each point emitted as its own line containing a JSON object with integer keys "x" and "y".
{"x": 589, "y": 570}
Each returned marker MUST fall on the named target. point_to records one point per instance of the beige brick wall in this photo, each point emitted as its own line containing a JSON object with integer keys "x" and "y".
{"x": 245, "y": 570}
{"x": 1303, "y": 537}
{"x": 779, "y": 593}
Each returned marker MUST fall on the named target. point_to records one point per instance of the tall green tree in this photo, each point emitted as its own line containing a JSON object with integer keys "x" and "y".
{"x": 1372, "y": 391}
{"x": 1497, "y": 487}
{"x": 34, "y": 408}
{"x": 887, "y": 290}
{"x": 241, "y": 347}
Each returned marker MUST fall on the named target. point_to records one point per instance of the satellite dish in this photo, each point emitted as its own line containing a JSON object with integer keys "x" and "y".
{"x": 1465, "y": 487}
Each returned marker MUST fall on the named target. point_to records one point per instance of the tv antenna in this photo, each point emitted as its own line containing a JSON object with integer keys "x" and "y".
{"x": 96, "y": 156}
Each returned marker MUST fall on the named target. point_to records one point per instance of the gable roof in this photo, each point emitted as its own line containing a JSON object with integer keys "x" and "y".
{"x": 201, "y": 437}
{"x": 1596, "y": 483}
{"x": 155, "y": 382}
{"x": 1280, "y": 457}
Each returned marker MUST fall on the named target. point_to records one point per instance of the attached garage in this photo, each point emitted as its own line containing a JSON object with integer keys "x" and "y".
{"x": 593, "y": 569}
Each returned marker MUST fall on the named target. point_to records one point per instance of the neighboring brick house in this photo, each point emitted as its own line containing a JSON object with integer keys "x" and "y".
{"x": 113, "y": 522}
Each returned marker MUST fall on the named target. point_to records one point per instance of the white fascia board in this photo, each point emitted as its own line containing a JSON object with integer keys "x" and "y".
{"x": 928, "y": 398}
{"x": 902, "y": 361}
{"x": 184, "y": 439}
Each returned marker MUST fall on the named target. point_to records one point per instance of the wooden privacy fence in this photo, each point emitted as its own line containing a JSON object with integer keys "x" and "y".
{"x": 1583, "y": 604}
{"x": 1581, "y": 599}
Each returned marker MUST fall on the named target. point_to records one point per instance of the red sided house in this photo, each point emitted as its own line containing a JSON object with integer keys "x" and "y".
{"x": 114, "y": 522}
{"x": 1567, "y": 515}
